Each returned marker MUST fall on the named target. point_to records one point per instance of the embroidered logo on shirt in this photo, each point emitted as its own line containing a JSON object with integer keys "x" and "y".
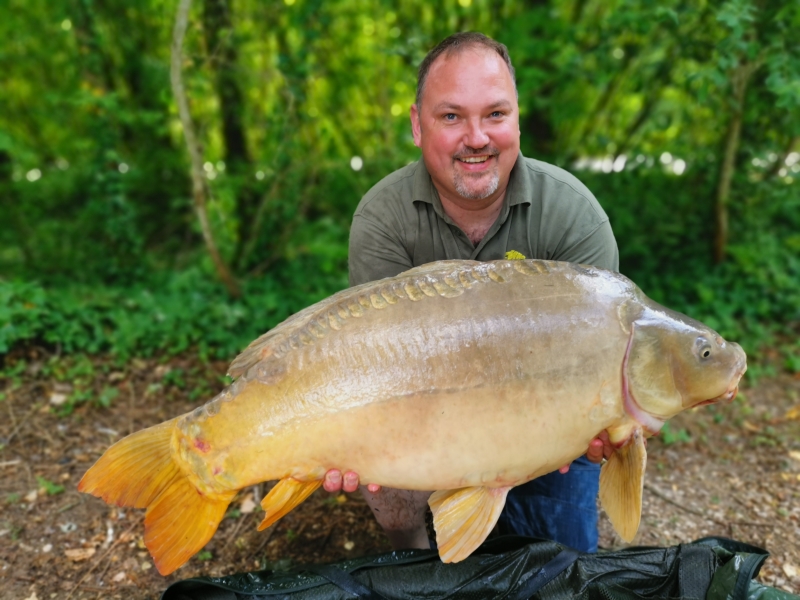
{"x": 514, "y": 255}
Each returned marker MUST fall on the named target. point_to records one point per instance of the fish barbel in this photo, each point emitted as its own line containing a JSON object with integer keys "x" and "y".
{"x": 463, "y": 377}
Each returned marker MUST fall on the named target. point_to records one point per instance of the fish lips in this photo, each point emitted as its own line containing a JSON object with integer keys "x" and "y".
{"x": 724, "y": 398}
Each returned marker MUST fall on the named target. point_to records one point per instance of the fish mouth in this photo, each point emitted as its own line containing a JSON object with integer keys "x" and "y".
{"x": 728, "y": 395}
{"x": 725, "y": 398}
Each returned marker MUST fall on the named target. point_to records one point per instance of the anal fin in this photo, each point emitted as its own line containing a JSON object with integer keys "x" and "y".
{"x": 463, "y": 518}
{"x": 621, "y": 482}
{"x": 286, "y": 494}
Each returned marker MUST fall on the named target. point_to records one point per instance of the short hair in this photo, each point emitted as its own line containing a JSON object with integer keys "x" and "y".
{"x": 457, "y": 43}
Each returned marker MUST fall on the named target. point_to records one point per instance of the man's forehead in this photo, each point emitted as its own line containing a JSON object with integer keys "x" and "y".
{"x": 463, "y": 69}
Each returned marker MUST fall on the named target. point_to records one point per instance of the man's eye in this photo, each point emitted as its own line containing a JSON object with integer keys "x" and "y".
{"x": 449, "y": 117}
{"x": 496, "y": 114}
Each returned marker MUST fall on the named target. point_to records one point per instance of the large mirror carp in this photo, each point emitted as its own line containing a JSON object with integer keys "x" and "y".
{"x": 463, "y": 377}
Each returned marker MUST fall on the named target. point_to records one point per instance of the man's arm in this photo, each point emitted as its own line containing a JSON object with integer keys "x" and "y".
{"x": 598, "y": 248}
{"x": 377, "y": 249}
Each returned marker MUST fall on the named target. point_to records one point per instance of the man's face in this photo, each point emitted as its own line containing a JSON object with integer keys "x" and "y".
{"x": 468, "y": 125}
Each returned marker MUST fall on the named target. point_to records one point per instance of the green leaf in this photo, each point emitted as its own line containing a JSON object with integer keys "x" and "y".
{"x": 50, "y": 488}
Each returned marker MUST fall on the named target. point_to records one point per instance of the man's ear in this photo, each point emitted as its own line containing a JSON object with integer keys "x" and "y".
{"x": 416, "y": 128}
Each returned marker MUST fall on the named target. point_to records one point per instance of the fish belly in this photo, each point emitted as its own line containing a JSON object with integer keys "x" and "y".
{"x": 493, "y": 436}
{"x": 489, "y": 437}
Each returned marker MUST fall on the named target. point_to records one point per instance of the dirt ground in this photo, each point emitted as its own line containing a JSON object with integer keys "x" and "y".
{"x": 732, "y": 471}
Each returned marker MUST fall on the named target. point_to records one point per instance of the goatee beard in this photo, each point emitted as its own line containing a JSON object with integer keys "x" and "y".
{"x": 461, "y": 184}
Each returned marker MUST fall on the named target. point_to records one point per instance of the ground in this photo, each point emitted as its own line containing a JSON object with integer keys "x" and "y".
{"x": 731, "y": 471}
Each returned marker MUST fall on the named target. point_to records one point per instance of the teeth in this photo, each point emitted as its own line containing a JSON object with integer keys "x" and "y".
{"x": 474, "y": 159}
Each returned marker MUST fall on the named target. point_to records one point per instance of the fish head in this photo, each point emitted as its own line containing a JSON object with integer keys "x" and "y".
{"x": 674, "y": 362}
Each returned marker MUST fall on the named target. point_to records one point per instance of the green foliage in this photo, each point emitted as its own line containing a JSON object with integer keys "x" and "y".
{"x": 669, "y": 437}
{"x": 107, "y": 396}
{"x": 176, "y": 313}
{"x": 50, "y": 488}
{"x": 100, "y": 248}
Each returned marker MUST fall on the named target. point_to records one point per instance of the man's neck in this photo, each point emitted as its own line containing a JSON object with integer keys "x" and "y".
{"x": 474, "y": 217}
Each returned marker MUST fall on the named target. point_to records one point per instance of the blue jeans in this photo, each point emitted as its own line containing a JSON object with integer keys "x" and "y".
{"x": 557, "y": 507}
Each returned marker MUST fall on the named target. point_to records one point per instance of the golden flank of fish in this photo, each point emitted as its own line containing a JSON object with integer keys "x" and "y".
{"x": 463, "y": 377}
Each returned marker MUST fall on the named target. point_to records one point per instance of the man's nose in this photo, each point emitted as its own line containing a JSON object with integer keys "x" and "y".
{"x": 475, "y": 136}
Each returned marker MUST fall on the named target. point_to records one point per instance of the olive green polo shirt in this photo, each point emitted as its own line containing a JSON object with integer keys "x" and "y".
{"x": 547, "y": 213}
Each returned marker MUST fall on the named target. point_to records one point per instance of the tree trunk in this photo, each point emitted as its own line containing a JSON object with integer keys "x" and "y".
{"x": 223, "y": 57}
{"x": 198, "y": 178}
{"x": 739, "y": 80}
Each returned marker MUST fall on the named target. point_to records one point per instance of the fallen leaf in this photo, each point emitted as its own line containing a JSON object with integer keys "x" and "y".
{"x": 795, "y": 454}
{"x": 79, "y": 554}
{"x": 57, "y": 399}
{"x": 793, "y": 413}
{"x": 247, "y": 506}
{"x": 750, "y": 427}
{"x": 33, "y": 596}
{"x": 348, "y": 545}
{"x": 31, "y": 496}
{"x": 127, "y": 537}
{"x": 119, "y": 577}
{"x": 790, "y": 570}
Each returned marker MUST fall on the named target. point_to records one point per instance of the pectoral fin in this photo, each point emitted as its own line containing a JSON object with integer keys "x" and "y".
{"x": 286, "y": 494}
{"x": 463, "y": 518}
{"x": 621, "y": 481}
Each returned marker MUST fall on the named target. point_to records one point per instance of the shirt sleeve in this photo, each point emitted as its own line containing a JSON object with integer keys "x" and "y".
{"x": 377, "y": 250}
{"x": 598, "y": 248}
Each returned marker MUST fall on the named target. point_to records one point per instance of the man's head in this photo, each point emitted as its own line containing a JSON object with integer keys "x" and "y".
{"x": 466, "y": 119}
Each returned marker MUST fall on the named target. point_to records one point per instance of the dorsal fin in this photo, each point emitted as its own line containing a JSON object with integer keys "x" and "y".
{"x": 447, "y": 278}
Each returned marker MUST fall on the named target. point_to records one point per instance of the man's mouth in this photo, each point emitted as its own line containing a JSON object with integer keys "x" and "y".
{"x": 474, "y": 159}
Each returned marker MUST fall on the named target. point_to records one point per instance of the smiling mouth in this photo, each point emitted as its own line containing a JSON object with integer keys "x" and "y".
{"x": 475, "y": 159}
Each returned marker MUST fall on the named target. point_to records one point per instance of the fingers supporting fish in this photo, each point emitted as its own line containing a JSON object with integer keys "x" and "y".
{"x": 600, "y": 448}
{"x": 350, "y": 483}
{"x": 335, "y": 481}
{"x": 332, "y": 481}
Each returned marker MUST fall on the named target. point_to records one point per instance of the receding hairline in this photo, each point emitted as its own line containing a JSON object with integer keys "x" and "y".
{"x": 457, "y": 44}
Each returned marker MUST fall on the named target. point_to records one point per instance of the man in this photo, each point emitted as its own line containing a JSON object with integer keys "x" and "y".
{"x": 474, "y": 196}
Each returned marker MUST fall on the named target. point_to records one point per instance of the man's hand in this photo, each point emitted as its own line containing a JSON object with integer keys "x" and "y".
{"x": 336, "y": 482}
{"x": 599, "y": 448}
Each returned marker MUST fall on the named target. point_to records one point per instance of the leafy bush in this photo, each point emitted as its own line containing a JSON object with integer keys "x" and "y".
{"x": 174, "y": 313}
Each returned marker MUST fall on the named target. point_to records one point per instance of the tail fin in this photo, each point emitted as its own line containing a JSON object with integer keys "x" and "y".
{"x": 139, "y": 471}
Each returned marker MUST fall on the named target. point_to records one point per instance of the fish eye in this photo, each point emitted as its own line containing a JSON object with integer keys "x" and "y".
{"x": 703, "y": 348}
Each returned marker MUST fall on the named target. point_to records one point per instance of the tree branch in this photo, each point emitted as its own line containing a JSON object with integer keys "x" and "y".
{"x": 198, "y": 179}
{"x": 739, "y": 80}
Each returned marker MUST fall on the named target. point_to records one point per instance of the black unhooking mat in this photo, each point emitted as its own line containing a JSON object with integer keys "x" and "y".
{"x": 510, "y": 567}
